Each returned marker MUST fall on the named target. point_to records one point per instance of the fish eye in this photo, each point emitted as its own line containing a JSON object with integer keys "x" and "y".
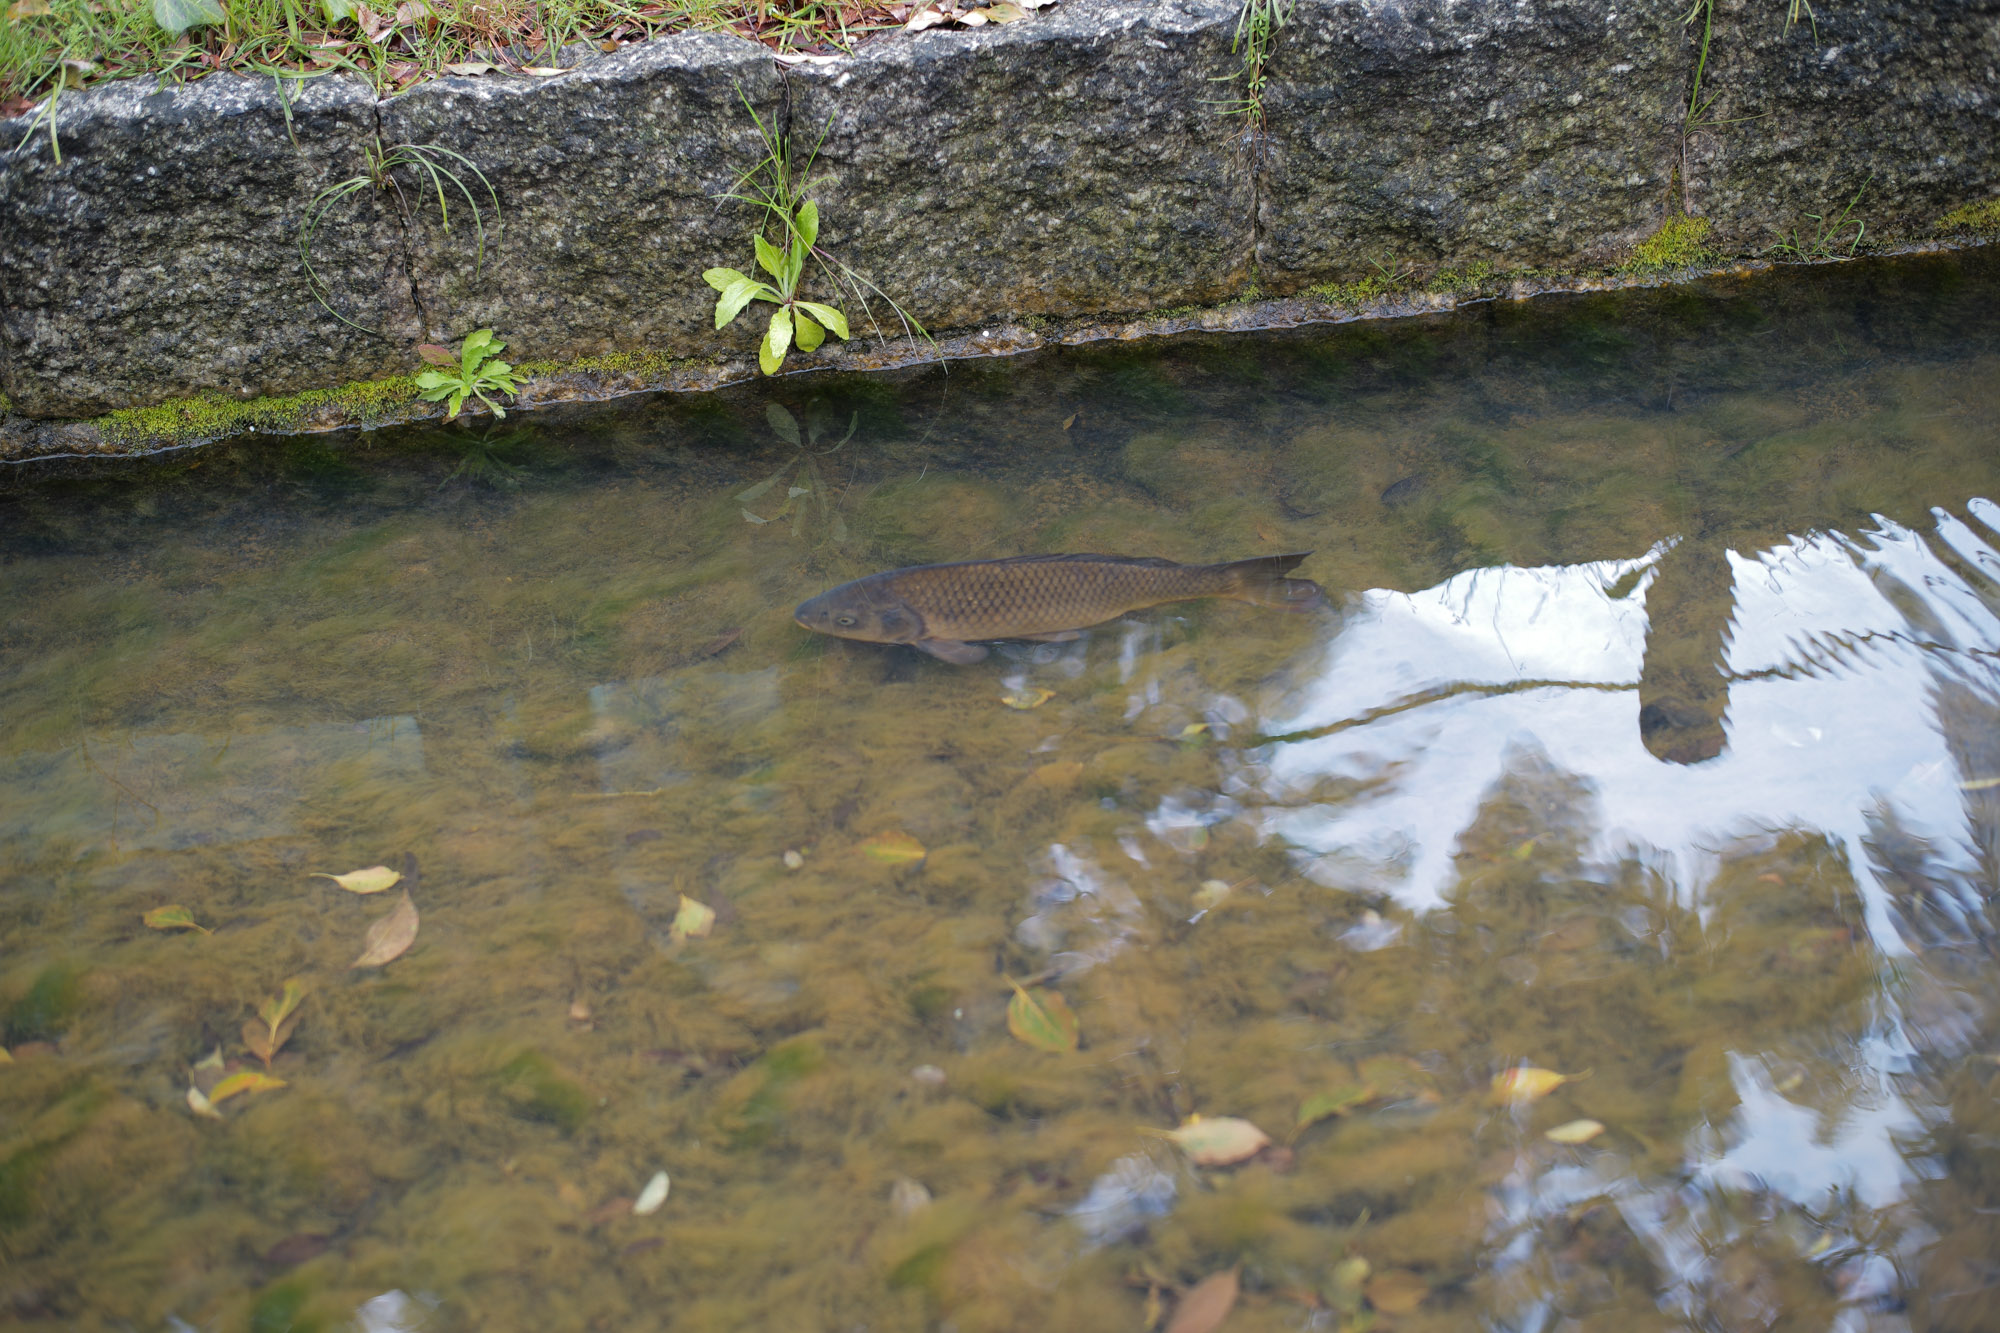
{"x": 845, "y": 622}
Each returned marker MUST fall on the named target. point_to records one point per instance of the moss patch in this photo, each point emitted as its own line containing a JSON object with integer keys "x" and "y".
{"x": 1980, "y": 219}
{"x": 1682, "y": 243}
{"x": 210, "y": 416}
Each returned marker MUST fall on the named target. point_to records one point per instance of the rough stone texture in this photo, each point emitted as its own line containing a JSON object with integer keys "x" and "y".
{"x": 1070, "y": 164}
{"x": 1526, "y": 133}
{"x": 1907, "y": 93}
{"x": 161, "y": 256}
{"x": 607, "y": 180}
{"x": 1075, "y": 164}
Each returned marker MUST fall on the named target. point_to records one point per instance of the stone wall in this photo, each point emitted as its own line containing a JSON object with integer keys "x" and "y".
{"x": 1074, "y": 164}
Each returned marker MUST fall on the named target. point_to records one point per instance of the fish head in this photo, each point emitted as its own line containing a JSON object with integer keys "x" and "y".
{"x": 856, "y": 611}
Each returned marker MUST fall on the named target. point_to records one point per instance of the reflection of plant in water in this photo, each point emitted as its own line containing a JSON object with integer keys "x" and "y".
{"x": 803, "y": 468}
{"x": 493, "y": 457}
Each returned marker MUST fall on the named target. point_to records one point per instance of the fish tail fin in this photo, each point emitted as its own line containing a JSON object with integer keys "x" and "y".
{"x": 1261, "y": 580}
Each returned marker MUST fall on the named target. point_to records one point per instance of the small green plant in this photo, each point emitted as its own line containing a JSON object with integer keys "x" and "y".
{"x": 1826, "y": 237}
{"x": 1256, "y": 30}
{"x": 471, "y": 373}
{"x": 774, "y": 189}
{"x": 778, "y": 191}
{"x": 426, "y": 160}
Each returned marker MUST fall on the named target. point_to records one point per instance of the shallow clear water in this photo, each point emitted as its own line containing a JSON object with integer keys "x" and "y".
{"x": 1651, "y": 741}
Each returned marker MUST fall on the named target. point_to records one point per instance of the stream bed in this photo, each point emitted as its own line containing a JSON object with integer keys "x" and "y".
{"x": 1650, "y": 739}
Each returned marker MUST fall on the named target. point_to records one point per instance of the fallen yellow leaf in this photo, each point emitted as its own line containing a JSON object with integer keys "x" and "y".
{"x": 174, "y": 917}
{"x": 1042, "y": 1019}
{"x": 894, "y": 849}
{"x": 372, "y": 880}
{"x": 1576, "y": 1131}
{"x": 1026, "y": 699}
{"x": 1525, "y": 1083}
{"x": 693, "y": 921}
{"x": 201, "y": 1105}
{"x": 1222, "y": 1141}
{"x": 248, "y": 1080}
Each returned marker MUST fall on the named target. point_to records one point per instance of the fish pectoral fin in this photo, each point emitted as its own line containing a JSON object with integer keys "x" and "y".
{"x": 1060, "y": 636}
{"x": 951, "y": 650}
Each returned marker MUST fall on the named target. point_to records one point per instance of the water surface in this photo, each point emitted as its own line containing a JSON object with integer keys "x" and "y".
{"x": 1650, "y": 739}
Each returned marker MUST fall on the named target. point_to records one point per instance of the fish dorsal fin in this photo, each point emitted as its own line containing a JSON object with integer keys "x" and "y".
{"x": 1145, "y": 561}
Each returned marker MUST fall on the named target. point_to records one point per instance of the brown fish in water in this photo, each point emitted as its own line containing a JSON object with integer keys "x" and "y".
{"x": 942, "y": 608}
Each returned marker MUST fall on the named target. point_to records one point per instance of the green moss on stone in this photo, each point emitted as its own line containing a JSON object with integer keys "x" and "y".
{"x": 1681, "y": 243}
{"x": 1981, "y": 219}
{"x": 211, "y": 416}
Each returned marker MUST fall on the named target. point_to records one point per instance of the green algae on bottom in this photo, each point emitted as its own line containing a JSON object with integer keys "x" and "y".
{"x": 300, "y": 670}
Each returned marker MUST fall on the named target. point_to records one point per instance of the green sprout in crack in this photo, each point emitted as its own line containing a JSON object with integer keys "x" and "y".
{"x": 775, "y": 188}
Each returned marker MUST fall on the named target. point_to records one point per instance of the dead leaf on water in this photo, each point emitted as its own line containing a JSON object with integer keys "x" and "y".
{"x": 1042, "y": 1019}
{"x": 1207, "y": 1304}
{"x": 1069, "y": 420}
{"x": 5, "y": 1059}
{"x": 201, "y": 1105}
{"x": 174, "y": 917}
{"x": 372, "y": 880}
{"x": 794, "y": 859}
{"x": 248, "y": 1080}
{"x": 1026, "y": 699}
{"x": 1224, "y": 1140}
{"x": 1525, "y": 1083}
{"x": 1979, "y": 784}
{"x": 894, "y": 849}
{"x": 289, "y": 998}
{"x": 1397, "y": 1291}
{"x": 1576, "y": 1131}
{"x": 693, "y": 921}
{"x": 391, "y": 935}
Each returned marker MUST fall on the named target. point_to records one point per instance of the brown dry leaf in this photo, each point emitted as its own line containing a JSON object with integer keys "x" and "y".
{"x": 719, "y": 643}
{"x": 924, "y": 18}
{"x": 471, "y": 69}
{"x": 1069, "y": 420}
{"x": 1206, "y": 1305}
{"x": 542, "y": 71}
{"x": 1397, "y": 1291}
{"x": 1222, "y": 1141}
{"x": 391, "y": 935}
{"x": 1006, "y": 12}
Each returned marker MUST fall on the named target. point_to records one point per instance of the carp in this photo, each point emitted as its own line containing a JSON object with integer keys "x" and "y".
{"x": 945, "y": 610}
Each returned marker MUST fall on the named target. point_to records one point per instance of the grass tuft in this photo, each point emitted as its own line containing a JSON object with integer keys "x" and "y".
{"x": 49, "y": 45}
